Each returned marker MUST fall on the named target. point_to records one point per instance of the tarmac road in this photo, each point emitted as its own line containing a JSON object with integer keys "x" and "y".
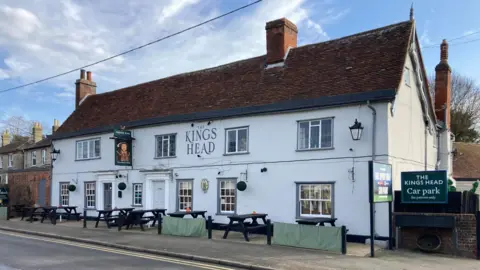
{"x": 25, "y": 252}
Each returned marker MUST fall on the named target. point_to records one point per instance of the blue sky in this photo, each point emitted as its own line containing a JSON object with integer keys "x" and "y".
{"x": 40, "y": 38}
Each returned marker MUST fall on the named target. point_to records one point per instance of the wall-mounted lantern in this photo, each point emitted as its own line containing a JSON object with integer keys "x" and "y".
{"x": 55, "y": 154}
{"x": 356, "y": 130}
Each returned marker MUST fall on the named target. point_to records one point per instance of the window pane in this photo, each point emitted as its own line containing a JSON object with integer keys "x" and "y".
{"x": 316, "y": 192}
{"x": 315, "y": 123}
{"x": 242, "y": 140}
{"x": 172, "y": 146}
{"x": 159, "y": 146}
{"x": 165, "y": 148}
{"x": 91, "y": 148}
{"x": 303, "y": 135}
{"x": 85, "y": 149}
{"x": 327, "y": 133}
{"x": 314, "y": 136}
{"x": 326, "y": 208}
{"x": 97, "y": 148}
{"x": 304, "y": 192}
{"x": 315, "y": 207}
{"x": 304, "y": 207}
{"x": 231, "y": 140}
{"x": 79, "y": 150}
{"x": 326, "y": 192}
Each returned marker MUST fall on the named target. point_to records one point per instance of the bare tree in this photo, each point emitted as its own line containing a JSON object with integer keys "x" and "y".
{"x": 465, "y": 106}
{"x": 17, "y": 125}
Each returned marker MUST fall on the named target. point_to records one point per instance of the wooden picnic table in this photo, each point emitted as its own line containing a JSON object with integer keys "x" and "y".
{"x": 32, "y": 212}
{"x": 18, "y": 208}
{"x": 237, "y": 222}
{"x": 109, "y": 218}
{"x": 51, "y": 212}
{"x": 136, "y": 217}
{"x": 317, "y": 221}
{"x": 181, "y": 214}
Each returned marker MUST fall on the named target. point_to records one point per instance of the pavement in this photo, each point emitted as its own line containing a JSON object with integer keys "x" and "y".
{"x": 31, "y": 252}
{"x": 237, "y": 253}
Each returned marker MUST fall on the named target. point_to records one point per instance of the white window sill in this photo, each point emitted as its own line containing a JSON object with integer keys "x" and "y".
{"x": 236, "y": 153}
{"x": 225, "y": 213}
{"x": 86, "y": 159}
{"x": 315, "y": 149}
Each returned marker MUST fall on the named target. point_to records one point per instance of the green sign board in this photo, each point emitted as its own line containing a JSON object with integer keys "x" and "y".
{"x": 424, "y": 187}
{"x": 380, "y": 182}
{"x": 123, "y": 147}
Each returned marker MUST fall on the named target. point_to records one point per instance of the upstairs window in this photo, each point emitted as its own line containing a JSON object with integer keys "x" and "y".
{"x": 315, "y": 134}
{"x": 44, "y": 156}
{"x": 88, "y": 149}
{"x": 10, "y": 160}
{"x": 237, "y": 140}
{"x": 165, "y": 146}
{"x": 34, "y": 158}
{"x": 406, "y": 76}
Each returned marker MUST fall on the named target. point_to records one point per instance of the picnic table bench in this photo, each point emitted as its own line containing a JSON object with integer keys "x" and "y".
{"x": 109, "y": 218}
{"x": 18, "y": 208}
{"x": 32, "y": 212}
{"x": 137, "y": 217}
{"x": 53, "y": 214}
{"x": 317, "y": 221}
{"x": 237, "y": 222}
{"x": 181, "y": 214}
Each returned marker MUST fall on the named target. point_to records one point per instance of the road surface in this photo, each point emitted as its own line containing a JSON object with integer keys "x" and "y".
{"x": 25, "y": 252}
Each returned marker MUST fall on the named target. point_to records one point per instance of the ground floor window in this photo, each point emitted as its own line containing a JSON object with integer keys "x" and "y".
{"x": 185, "y": 194}
{"x": 315, "y": 199}
{"x": 64, "y": 194}
{"x": 90, "y": 194}
{"x": 227, "y": 195}
{"x": 137, "y": 194}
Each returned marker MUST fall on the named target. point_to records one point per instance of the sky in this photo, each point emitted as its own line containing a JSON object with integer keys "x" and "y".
{"x": 42, "y": 38}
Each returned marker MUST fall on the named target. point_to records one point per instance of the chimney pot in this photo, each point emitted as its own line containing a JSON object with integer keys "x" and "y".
{"x": 82, "y": 74}
{"x": 281, "y": 35}
{"x": 89, "y": 76}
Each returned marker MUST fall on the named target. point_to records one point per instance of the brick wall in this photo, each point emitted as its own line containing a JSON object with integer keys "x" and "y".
{"x": 466, "y": 235}
{"x": 19, "y": 182}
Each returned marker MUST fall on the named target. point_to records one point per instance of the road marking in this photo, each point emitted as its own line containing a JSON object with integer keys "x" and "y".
{"x": 121, "y": 252}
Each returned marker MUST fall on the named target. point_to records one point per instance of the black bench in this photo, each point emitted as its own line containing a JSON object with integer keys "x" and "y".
{"x": 237, "y": 223}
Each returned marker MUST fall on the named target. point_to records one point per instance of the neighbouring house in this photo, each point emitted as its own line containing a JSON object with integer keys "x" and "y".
{"x": 11, "y": 155}
{"x": 29, "y": 171}
{"x": 466, "y": 165}
{"x": 266, "y": 134}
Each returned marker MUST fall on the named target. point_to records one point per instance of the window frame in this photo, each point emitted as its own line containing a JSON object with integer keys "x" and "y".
{"x": 88, "y": 148}
{"x": 226, "y": 152}
{"x": 332, "y": 119}
{"x": 297, "y": 199}
{"x": 219, "y": 199}
{"x": 44, "y": 157}
{"x": 60, "y": 184}
{"x": 156, "y": 145}
{"x": 85, "y": 195}
{"x": 33, "y": 157}
{"x": 177, "y": 196}
{"x": 133, "y": 194}
{"x": 406, "y": 76}
{"x": 10, "y": 160}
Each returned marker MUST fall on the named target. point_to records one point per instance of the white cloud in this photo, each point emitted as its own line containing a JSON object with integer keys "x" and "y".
{"x": 58, "y": 38}
{"x": 3, "y": 74}
{"x": 17, "y": 23}
{"x": 425, "y": 38}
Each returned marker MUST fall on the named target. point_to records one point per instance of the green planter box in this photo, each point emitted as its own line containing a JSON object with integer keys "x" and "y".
{"x": 3, "y": 213}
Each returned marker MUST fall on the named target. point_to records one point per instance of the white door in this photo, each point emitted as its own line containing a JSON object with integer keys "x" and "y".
{"x": 159, "y": 194}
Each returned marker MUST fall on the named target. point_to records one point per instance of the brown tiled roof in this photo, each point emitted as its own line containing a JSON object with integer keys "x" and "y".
{"x": 360, "y": 63}
{"x": 43, "y": 143}
{"x": 14, "y": 146}
{"x": 466, "y": 161}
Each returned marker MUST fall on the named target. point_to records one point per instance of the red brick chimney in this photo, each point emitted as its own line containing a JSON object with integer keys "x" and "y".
{"x": 281, "y": 34}
{"x": 84, "y": 87}
{"x": 443, "y": 86}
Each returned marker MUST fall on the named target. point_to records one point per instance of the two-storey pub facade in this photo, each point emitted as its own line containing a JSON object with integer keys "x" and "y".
{"x": 278, "y": 123}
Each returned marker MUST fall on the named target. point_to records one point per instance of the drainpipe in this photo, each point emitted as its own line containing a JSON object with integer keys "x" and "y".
{"x": 437, "y": 164}
{"x": 374, "y": 127}
{"x": 426, "y": 126}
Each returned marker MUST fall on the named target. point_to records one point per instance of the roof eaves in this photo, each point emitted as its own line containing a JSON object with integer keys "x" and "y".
{"x": 293, "y": 105}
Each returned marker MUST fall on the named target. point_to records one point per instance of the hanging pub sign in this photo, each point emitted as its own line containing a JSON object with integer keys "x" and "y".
{"x": 123, "y": 147}
{"x": 380, "y": 182}
{"x": 424, "y": 187}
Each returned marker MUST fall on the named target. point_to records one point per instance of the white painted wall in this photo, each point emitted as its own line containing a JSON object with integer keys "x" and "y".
{"x": 272, "y": 144}
{"x": 406, "y": 131}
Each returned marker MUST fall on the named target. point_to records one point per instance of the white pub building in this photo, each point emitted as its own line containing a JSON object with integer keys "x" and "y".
{"x": 288, "y": 133}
